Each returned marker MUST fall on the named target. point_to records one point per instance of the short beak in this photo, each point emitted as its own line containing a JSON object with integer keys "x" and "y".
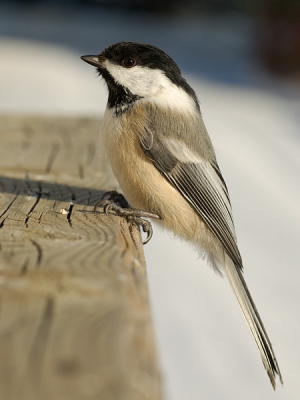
{"x": 96, "y": 61}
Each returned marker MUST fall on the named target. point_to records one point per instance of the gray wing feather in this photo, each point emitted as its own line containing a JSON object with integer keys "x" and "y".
{"x": 201, "y": 184}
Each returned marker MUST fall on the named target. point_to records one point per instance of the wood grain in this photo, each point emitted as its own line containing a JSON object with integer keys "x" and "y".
{"x": 75, "y": 320}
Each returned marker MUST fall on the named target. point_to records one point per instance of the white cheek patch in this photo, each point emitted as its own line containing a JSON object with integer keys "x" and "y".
{"x": 131, "y": 78}
{"x": 152, "y": 85}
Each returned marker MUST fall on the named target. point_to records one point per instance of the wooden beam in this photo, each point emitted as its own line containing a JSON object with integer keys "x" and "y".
{"x": 75, "y": 321}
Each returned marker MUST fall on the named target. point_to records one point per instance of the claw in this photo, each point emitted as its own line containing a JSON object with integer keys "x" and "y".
{"x": 124, "y": 210}
{"x": 149, "y": 234}
{"x": 107, "y": 207}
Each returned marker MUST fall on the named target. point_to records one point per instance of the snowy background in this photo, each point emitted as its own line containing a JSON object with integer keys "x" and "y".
{"x": 205, "y": 348}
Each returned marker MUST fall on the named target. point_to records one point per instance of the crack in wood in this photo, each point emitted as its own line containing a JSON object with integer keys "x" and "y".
{"x": 38, "y": 350}
{"x": 40, "y": 217}
{"x": 72, "y": 203}
{"x": 38, "y": 196}
{"x": 2, "y": 222}
{"x": 70, "y": 213}
{"x": 24, "y": 267}
{"x": 55, "y": 191}
{"x": 52, "y": 156}
{"x": 8, "y": 207}
{"x": 39, "y": 252}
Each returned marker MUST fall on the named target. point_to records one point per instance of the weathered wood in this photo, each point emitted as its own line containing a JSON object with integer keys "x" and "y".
{"x": 74, "y": 308}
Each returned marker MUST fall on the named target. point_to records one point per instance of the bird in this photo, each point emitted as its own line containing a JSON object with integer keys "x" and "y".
{"x": 165, "y": 163}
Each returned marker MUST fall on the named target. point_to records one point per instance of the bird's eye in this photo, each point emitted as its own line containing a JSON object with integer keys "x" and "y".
{"x": 129, "y": 62}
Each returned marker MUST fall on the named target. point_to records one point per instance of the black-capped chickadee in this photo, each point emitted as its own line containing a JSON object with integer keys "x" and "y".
{"x": 165, "y": 163}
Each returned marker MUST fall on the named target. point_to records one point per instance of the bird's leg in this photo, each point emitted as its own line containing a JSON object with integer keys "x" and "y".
{"x": 116, "y": 202}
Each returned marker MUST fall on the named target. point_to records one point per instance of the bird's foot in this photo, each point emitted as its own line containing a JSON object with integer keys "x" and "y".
{"x": 116, "y": 202}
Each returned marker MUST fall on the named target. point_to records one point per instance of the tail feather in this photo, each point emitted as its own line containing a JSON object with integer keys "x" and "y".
{"x": 253, "y": 320}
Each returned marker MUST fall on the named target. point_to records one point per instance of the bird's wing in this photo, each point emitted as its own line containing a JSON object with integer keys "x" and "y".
{"x": 199, "y": 181}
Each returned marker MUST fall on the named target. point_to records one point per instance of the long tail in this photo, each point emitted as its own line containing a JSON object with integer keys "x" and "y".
{"x": 254, "y": 322}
